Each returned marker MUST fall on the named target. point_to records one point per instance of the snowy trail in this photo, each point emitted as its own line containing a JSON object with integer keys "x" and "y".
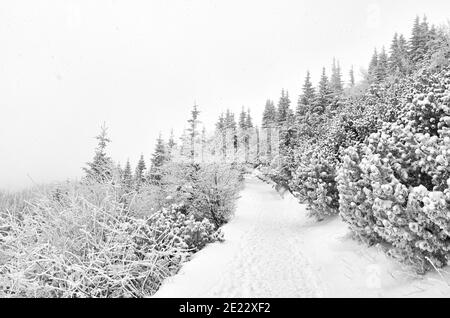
{"x": 272, "y": 249}
{"x": 261, "y": 255}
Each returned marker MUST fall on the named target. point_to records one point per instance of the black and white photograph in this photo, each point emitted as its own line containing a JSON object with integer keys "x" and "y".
{"x": 248, "y": 151}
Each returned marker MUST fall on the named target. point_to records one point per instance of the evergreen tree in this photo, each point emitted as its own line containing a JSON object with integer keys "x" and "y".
{"x": 221, "y": 129}
{"x": 100, "y": 169}
{"x": 419, "y": 40}
{"x": 248, "y": 120}
{"x": 381, "y": 71}
{"x": 403, "y": 56}
{"x": 336, "y": 79}
{"x": 192, "y": 130}
{"x": 231, "y": 128}
{"x": 395, "y": 57}
{"x": 159, "y": 158}
{"x": 269, "y": 121}
{"x": 220, "y": 122}
{"x": 203, "y": 140}
{"x": 258, "y": 149}
{"x": 373, "y": 67}
{"x": 306, "y": 99}
{"x": 352, "y": 77}
{"x": 324, "y": 94}
{"x": 184, "y": 150}
{"x": 283, "y": 111}
{"x": 269, "y": 115}
{"x": 139, "y": 174}
{"x": 243, "y": 119}
{"x": 119, "y": 171}
{"x": 230, "y": 121}
{"x": 170, "y": 146}
{"x": 127, "y": 175}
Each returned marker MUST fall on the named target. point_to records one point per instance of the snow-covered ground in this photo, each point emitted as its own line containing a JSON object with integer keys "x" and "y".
{"x": 272, "y": 249}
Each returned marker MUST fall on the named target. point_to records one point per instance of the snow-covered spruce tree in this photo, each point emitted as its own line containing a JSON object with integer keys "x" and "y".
{"x": 127, "y": 176}
{"x": 269, "y": 122}
{"x": 193, "y": 131}
{"x": 139, "y": 175}
{"x": 101, "y": 167}
{"x": 336, "y": 79}
{"x": 402, "y": 173}
{"x": 158, "y": 159}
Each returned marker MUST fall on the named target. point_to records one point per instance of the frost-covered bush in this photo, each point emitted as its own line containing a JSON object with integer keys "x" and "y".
{"x": 184, "y": 229}
{"x": 85, "y": 241}
{"x": 394, "y": 188}
{"x": 314, "y": 183}
{"x": 207, "y": 190}
{"x": 355, "y": 196}
{"x": 309, "y": 166}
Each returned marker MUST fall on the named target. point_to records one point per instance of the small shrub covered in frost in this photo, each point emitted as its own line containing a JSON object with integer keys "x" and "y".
{"x": 314, "y": 183}
{"x": 184, "y": 230}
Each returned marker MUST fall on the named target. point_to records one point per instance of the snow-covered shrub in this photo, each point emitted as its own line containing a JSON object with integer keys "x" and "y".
{"x": 214, "y": 193}
{"x": 310, "y": 167}
{"x": 355, "y": 196}
{"x": 84, "y": 241}
{"x": 208, "y": 190}
{"x": 313, "y": 181}
{"x": 395, "y": 186}
{"x": 184, "y": 229}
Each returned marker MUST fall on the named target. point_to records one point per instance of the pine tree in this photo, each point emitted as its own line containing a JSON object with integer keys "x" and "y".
{"x": 258, "y": 142}
{"x": 230, "y": 121}
{"x": 269, "y": 121}
{"x": 415, "y": 40}
{"x": 381, "y": 71}
{"x": 127, "y": 175}
{"x": 101, "y": 167}
{"x": 192, "y": 130}
{"x": 203, "y": 141}
{"x": 352, "y": 77}
{"x": 324, "y": 94}
{"x": 139, "y": 174}
{"x": 404, "y": 60}
{"x": 394, "y": 62}
{"x": 221, "y": 130}
{"x": 269, "y": 115}
{"x": 306, "y": 99}
{"x": 419, "y": 39}
{"x": 119, "y": 171}
{"x": 373, "y": 67}
{"x": 159, "y": 158}
{"x": 283, "y": 111}
{"x": 231, "y": 131}
{"x": 242, "y": 119}
{"x": 336, "y": 79}
{"x": 171, "y": 145}
{"x": 220, "y": 122}
{"x": 248, "y": 120}
{"x": 184, "y": 150}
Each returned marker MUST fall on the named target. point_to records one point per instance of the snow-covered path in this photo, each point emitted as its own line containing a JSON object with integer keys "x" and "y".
{"x": 272, "y": 249}
{"x": 261, "y": 255}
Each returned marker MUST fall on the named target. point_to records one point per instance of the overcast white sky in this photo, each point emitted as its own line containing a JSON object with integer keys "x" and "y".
{"x": 67, "y": 66}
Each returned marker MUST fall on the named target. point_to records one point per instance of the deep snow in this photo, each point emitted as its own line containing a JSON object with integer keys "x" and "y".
{"x": 272, "y": 249}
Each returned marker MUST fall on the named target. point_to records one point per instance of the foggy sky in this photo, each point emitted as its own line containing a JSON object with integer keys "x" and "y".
{"x": 68, "y": 66}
